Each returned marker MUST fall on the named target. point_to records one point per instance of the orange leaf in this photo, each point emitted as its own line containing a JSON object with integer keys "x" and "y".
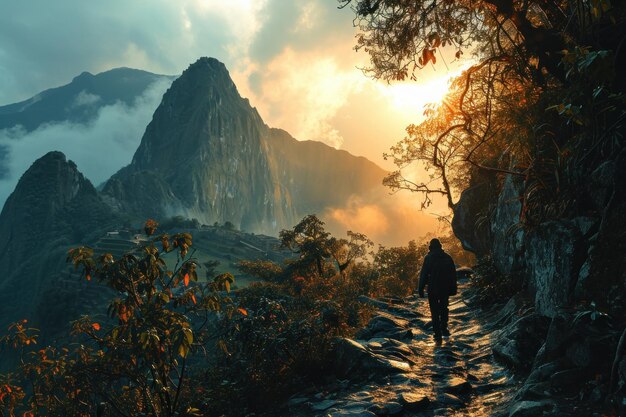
{"x": 186, "y": 280}
{"x": 242, "y": 311}
{"x": 88, "y": 277}
{"x": 193, "y": 298}
{"x": 96, "y": 326}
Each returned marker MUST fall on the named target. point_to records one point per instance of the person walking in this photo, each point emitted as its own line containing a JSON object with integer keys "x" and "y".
{"x": 439, "y": 275}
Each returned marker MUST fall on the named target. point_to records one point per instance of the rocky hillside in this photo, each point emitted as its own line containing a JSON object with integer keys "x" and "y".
{"x": 572, "y": 271}
{"x": 207, "y": 154}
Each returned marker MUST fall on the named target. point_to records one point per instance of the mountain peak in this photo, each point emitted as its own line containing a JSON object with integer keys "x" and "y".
{"x": 200, "y": 110}
{"x": 208, "y": 75}
{"x": 59, "y": 104}
{"x": 83, "y": 76}
{"x": 49, "y": 183}
{"x": 209, "y": 62}
{"x": 207, "y": 154}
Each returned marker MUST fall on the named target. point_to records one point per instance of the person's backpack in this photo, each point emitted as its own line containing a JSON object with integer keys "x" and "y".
{"x": 452, "y": 277}
{"x": 445, "y": 271}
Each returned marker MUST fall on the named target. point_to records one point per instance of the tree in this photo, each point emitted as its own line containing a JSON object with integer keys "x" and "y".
{"x": 398, "y": 267}
{"x": 309, "y": 240}
{"x": 528, "y": 57}
{"x": 228, "y": 225}
{"x": 402, "y": 36}
{"x": 315, "y": 246}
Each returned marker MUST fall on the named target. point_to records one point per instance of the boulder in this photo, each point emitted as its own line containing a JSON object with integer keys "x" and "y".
{"x": 569, "y": 380}
{"x": 543, "y": 372}
{"x": 352, "y": 359}
{"x": 468, "y": 212}
{"x": 530, "y": 408}
{"x": 450, "y": 400}
{"x": 580, "y": 340}
{"x": 532, "y": 391}
{"x": 384, "y": 325}
{"x": 607, "y": 274}
{"x": 457, "y": 386}
{"x": 518, "y": 343}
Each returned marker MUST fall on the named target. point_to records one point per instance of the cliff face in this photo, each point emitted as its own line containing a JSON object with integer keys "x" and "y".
{"x": 563, "y": 261}
{"x": 565, "y": 328}
{"x": 53, "y": 207}
{"x": 207, "y": 154}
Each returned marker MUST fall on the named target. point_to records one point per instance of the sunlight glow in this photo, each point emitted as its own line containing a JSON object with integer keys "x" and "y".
{"x": 412, "y": 97}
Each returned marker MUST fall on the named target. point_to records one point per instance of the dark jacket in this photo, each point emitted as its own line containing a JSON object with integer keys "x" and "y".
{"x": 438, "y": 273}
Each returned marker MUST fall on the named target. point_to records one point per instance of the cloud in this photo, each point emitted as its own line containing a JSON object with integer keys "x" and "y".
{"x": 99, "y": 148}
{"x": 301, "y": 93}
{"x": 85, "y": 98}
{"x": 389, "y": 220}
{"x": 43, "y": 44}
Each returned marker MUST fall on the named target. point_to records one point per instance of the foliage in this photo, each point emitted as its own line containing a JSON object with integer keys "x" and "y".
{"x": 179, "y": 222}
{"x": 398, "y": 268}
{"x": 264, "y": 270}
{"x": 492, "y": 286}
{"x": 228, "y": 225}
{"x": 136, "y": 362}
{"x": 315, "y": 247}
{"x": 280, "y": 339}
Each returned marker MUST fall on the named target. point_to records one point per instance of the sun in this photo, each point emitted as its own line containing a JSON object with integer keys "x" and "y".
{"x": 412, "y": 97}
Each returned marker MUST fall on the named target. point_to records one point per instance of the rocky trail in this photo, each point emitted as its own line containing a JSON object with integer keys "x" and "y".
{"x": 393, "y": 367}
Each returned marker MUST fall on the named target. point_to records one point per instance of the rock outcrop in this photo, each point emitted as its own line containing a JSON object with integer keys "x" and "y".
{"x": 207, "y": 154}
{"x": 470, "y": 223}
{"x": 507, "y": 238}
{"x": 554, "y": 258}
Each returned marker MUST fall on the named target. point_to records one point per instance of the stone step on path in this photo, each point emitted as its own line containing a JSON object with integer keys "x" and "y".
{"x": 394, "y": 368}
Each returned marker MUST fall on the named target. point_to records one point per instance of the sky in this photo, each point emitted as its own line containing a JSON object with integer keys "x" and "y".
{"x": 294, "y": 60}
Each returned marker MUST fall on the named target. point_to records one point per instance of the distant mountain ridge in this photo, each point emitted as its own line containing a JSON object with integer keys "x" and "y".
{"x": 79, "y": 100}
{"x": 77, "y": 103}
{"x": 207, "y": 154}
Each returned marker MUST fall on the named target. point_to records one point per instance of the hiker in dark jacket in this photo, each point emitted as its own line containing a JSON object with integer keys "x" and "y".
{"x": 439, "y": 275}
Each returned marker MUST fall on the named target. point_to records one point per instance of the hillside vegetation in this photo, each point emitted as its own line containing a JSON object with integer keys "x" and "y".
{"x": 173, "y": 344}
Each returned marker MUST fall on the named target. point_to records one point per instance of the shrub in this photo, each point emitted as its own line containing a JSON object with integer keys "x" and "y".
{"x": 136, "y": 362}
{"x": 493, "y": 286}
